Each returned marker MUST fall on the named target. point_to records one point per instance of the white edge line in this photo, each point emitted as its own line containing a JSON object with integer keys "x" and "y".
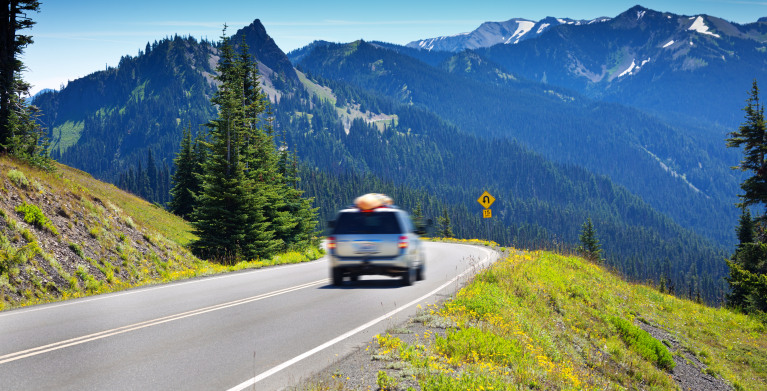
{"x": 146, "y": 288}
{"x": 348, "y": 334}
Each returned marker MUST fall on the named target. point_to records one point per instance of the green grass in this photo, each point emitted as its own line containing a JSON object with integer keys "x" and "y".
{"x": 643, "y": 343}
{"x": 131, "y": 209}
{"x": 538, "y": 320}
{"x": 321, "y": 92}
{"x": 66, "y": 135}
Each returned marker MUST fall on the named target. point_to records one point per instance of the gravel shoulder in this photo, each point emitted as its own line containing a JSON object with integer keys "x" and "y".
{"x": 359, "y": 370}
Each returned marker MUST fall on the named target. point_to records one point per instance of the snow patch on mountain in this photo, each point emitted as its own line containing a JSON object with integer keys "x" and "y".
{"x": 523, "y": 27}
{"x": 641, "y": 14}
{"x": 700, "y": 26}
{"x": 570, "y": 21}
{"x": 542, "y": 28}
{"x": 669, "y": 43}
{"x": 600, "y": 20}
{"x": 630, "y": 68}
{"x": 671, "y": 171}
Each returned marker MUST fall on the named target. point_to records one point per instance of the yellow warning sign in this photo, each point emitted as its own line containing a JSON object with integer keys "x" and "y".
{"x": 487, "y": 213}
{"x": 486, "y": 200}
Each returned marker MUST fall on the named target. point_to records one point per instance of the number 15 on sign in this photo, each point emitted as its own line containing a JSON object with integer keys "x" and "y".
{"x": 487, "y": 213}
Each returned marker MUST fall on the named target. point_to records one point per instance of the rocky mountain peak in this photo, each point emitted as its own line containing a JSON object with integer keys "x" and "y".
{"x": 264, "y": 49}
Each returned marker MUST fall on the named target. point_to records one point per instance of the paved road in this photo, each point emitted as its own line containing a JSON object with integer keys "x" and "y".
{"x": 262, "y": 329}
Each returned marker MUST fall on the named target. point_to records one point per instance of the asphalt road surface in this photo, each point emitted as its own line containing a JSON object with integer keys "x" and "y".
{"x": 263, "y": 329}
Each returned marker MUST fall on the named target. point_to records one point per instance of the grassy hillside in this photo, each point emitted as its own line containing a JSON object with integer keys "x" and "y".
{"x": 538, "y": 320}
{"x": 65, "y": 235}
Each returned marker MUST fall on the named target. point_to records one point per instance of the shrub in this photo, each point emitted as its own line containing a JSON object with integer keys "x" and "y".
{"x": 91, "y": 284}
{"x": 473, "y": 345}
{"x": 18, "y": 178}
{"x": 386, "y": 382}
{"x": 77, "y": 249}
{"x": 644, "y": 344}
{"x": 33, "y": 215}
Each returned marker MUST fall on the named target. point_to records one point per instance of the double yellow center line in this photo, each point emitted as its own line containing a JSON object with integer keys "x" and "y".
{"x": 137, "y": 326}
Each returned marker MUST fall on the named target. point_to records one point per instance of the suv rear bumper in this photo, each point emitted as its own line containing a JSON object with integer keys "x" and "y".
{"x": 387, "y": 267}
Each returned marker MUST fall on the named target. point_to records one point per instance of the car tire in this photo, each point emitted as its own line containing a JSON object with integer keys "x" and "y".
{"x": 419, "y": 273}
{"x": 337, "y": 276}
{"x": 408, "y": 276}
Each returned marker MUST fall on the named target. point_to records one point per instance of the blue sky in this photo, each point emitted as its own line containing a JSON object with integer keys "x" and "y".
{"x": 74, "y": 38}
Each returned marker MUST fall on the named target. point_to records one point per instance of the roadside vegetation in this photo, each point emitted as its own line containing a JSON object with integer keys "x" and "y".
{"x": 64, "y": 234}
{"x": 540, "y": 320}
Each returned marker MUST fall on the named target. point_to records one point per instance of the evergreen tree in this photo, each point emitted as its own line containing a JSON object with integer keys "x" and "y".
{"x": 748, "y": 266}
{"x": 274, "y": 172}
{"x": 745, "y": 229}
{"x": 590, "y": 247}
{"x": 248, "y": 207}
{"x": 445, "y": 228}
{"x": 185, "y": 184}
{"x": 297, "y": 207}
{"x": 417, "y": 217}
{"x": 19, "y": 133}
{"x": 229, "y": 219}
{"x": 752, "y": 136}
{"x": 152, "y": 177}
{"x": 258, "y": 153}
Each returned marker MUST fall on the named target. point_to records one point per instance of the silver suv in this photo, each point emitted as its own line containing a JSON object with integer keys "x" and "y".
{"x": 381, "y": 241}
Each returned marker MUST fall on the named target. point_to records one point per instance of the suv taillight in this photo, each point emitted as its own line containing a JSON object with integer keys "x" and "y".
{"x": 403, "y": 242}
{"x": 331, "y": 243}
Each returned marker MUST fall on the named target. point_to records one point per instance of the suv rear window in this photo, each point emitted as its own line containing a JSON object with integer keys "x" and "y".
{"x": 367, "y": 223}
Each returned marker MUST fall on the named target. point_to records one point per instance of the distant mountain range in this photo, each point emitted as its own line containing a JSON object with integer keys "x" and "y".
{"x": 512, "y": 31}
{"x": 697, "y": 68}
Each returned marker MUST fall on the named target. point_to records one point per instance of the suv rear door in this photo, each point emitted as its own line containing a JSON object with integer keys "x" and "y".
{"x": 373, "y": 234}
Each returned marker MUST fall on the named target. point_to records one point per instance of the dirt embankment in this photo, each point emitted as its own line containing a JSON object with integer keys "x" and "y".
{"x": 58, "y": 239}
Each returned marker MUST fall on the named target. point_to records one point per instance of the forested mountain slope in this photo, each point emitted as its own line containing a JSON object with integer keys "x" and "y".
{"x": 431, "y": 162}
{"x": 680, "y": 176}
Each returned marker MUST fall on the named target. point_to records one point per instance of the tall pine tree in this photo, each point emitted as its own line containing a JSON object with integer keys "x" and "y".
{"x": 590, "y": 247}
{"x": 19, "y": 133}
{"x": 748, "y": 266}
{"x": 245, "y": 209}
{"x": 185, "y": 183}
{"x": 445, "y": 228}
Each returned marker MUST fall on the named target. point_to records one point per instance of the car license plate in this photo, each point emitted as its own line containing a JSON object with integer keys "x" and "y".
{"x": 365, "y": 247}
